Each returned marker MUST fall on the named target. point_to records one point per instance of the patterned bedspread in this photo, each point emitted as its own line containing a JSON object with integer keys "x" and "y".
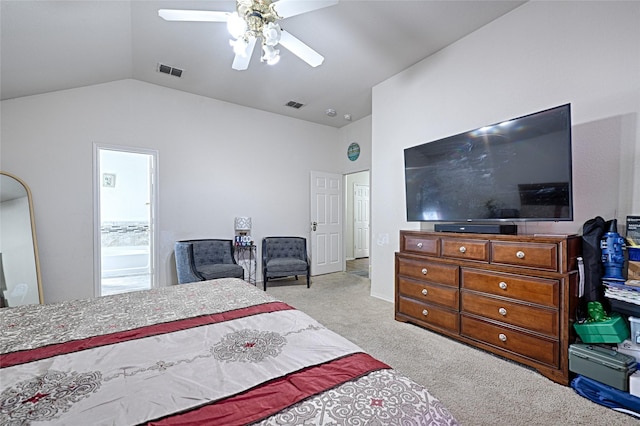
{"x": 217, "y": 352}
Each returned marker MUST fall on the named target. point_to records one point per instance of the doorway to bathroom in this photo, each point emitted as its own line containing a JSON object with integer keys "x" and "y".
{"x": 125, "y": 187}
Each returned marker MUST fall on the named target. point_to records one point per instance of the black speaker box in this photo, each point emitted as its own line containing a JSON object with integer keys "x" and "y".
{"x": 477, "y": 228}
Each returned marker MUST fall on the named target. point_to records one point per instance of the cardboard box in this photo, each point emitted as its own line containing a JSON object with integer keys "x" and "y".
{"x": 633, "y": 271}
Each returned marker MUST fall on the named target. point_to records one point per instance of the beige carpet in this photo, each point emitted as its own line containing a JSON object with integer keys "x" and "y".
{"x": 477, "y": 387}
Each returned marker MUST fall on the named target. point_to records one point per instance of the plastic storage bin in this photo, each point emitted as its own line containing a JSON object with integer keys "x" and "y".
{"x": 634, "y": 324}
{"x": 613, "y": 330}
{"x": 629, "y": 348}
{"x": 634, "y": 384}
{"x": 604, "y": 365}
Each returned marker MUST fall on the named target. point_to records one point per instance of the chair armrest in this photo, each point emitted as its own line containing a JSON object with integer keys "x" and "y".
{"x": 185, "y": 266}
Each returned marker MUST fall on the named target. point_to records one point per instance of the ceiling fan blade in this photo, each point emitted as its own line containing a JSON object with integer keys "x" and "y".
{"x": 287, "y": 8}
{"x": 193, "y": 15}
{"x": 241, "y": 62}
{"x": 298, "y": 48}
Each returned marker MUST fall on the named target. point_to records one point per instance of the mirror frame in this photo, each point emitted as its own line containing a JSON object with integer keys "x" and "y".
{"x": 33, "y": 232}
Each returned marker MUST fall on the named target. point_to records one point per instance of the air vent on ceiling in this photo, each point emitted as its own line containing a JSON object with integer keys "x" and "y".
{"x": 166, "y": 69}
{"x": 294, "y": 104}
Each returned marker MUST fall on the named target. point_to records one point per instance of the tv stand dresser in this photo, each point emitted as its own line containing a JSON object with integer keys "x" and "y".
{"x": 512, "y": 295}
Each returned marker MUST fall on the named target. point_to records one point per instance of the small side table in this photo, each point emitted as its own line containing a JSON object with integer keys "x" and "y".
{"x": 246, "y": 257}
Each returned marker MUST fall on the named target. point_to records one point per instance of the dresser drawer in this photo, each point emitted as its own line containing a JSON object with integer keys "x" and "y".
{"x": 531, "y": 255}
{"x": 465, "y": 249}
{"x": 420, "y": 244}
{"x": 540, "y": 320}
{"x": 537, "y": 348}
{"x": 428, "y": 271}
{"x": 429, "y": 293}
{"x": 540, "y": 291}
{"x": 429, "y": 314}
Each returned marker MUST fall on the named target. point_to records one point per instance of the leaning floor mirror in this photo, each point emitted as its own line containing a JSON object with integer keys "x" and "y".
{"x": 20, "y": 282}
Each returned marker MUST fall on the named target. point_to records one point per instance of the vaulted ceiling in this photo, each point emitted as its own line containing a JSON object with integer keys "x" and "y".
{"x": 55, "y": 45}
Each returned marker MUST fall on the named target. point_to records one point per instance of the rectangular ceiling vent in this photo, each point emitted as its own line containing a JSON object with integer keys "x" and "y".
{"x": 294, "y": 104}
{"x": 166, "y": 69}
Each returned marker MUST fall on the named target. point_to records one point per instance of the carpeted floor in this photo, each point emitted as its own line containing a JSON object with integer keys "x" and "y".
{"x": 358, "y": 267}
{"x": 479, "y": 388}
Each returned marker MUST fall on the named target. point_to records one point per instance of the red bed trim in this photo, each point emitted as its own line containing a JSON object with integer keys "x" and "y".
{"x": 22, "y": 357}
{"x": 268, "y": 399}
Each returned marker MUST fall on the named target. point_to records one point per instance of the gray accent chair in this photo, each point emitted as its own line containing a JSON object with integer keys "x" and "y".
{"x": 284, "y": 257}
{"x": 206, "y": 259}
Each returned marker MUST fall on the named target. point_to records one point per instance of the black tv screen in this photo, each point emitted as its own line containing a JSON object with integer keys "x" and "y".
{"x": 516, "y": 170}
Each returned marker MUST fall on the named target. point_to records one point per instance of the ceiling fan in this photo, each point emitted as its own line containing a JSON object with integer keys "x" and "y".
{"x": 255, "y": 19}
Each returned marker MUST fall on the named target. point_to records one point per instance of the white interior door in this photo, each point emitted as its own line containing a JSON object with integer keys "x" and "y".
{"x": 326, "y": 223}
{"x": 360, "y": 220}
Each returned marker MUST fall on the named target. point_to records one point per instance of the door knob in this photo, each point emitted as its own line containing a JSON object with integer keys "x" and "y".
{"x": 314, "y": 225}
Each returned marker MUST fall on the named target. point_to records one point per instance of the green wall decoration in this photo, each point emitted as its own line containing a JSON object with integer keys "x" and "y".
{"x": 353, "y": 152}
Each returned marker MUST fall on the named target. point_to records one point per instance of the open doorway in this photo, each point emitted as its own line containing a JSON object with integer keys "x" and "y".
{"x": 357, "y": 217}
{"x": 125, "y": 211}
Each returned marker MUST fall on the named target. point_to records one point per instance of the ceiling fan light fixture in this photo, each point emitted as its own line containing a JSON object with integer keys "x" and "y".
{"x": 239, "y": 46}
{"x": 271, "y": 55}
{"x": 236, "y": 25}
{"x": 271, "y": 34}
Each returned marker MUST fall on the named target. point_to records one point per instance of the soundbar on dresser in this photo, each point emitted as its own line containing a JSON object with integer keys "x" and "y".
{"x": 477, "y": 228}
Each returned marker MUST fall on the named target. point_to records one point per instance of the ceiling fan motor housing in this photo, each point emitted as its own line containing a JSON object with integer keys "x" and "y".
{"x": 257, "y": 14}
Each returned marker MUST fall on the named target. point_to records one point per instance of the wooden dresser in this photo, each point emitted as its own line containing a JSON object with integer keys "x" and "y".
{"x": 512, "y": 295}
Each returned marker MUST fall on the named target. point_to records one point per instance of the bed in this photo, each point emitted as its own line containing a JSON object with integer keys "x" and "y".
{"x": 219, "y": 352}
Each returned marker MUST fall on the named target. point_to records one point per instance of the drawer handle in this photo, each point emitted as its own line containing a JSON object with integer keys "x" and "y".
{"x": 503, "y": 285}
{"x": 419, "y": 245}
{"x": 425, "y": 291}
{"x": 424, "y": 271}
{"x": 520, "y": 254}
{"x": 502, "y": 311}
{"x": 502, "y": 337}
{"x": 463, "y": 249}
{"x": 425, "y": 312}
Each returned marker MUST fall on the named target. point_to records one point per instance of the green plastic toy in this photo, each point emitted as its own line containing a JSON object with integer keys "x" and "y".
{"x": 596, "y": 312}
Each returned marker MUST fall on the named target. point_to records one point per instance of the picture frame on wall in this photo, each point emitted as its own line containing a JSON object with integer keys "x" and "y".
{"x": 109, "y": 180}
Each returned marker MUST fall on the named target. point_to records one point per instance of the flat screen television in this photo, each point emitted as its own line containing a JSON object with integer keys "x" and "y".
{"x": 516, "y": 170}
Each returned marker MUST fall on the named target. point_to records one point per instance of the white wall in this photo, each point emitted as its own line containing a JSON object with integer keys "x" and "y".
{"x": 216, "y": 161}
{"x": 360, "y": 133}
{"x": 540, "y": 55}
